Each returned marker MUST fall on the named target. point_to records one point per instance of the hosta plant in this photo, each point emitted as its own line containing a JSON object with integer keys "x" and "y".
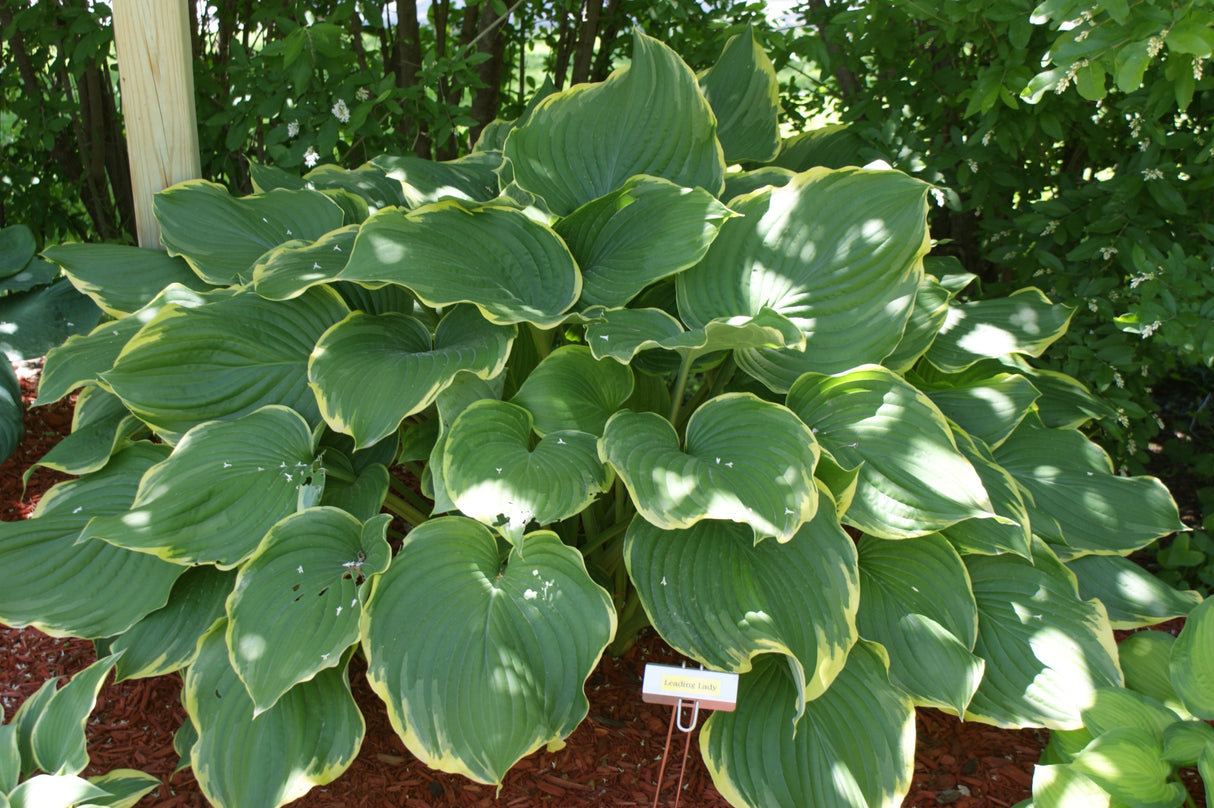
{"x": 601, "y": 378}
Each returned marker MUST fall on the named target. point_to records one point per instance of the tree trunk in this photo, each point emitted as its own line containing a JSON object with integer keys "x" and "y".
{"x": 408, "y": 52}
{"x": 488, "y": 98}
{"x": 587, "y": 33}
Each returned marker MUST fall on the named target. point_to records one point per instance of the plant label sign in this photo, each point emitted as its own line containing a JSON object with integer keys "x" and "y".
{"x": 667, "y": 684}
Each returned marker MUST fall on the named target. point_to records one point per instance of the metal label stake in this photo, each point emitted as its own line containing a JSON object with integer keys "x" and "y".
{"x": 666, "y": 684}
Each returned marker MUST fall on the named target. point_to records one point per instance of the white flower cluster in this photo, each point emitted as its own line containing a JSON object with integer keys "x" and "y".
{"x": 340, "y": 111}
{"x": 1149, "y": 174}
{"x": 1148, "y": 330}
{"x": 1108, "y": 252}
{"x": 292, "y": 128}
{"x": 1050, "y": 227}
{"x": 1071, "y": 72}
{"x": 1143, "y": 278}
{"x": 1197, "y": 69}
{"x": 1154, "y": 46}
{"x": 362, "y": 94}
{"x": 311, "y": 158}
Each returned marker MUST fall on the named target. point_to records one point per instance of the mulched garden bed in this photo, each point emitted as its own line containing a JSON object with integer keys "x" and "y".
{"x": 612, "y": 759}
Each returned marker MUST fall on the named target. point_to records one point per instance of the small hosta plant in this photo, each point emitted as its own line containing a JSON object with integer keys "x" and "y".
{"x": 43, "y": 750}
{"x": 634, "y": 385}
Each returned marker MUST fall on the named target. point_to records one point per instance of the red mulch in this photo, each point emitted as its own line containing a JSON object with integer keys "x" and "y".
{"x": 612, "y": 759}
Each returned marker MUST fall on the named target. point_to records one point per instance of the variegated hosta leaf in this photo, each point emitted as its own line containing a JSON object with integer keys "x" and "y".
{"x": 837, "y": 252}
{"x": 308, "y": 738}
{"x": 1190, "y": 669}
{"x": 166, "y": 640}
{"x": 623, "y": 333}
{"x": 647, "y": 118}
{"x": 125, "y": 787}
{"x": 926, "y": 318}
{"x": 744, "y": 460}
{"x": 285, "y": 271}
{"x": 298, "y": 599}
{"x": 853, "y": 748}
{"x": 913, "y": 480}
{"x": 482, "y": 663}
{"x": 1132, "y": 595}
{"x": 989, "y": 407}
{"x": 571, "y": 389}
{"x": 101, "y": 425}
{"x": 83, "y": 358}
{"x": 369, "y": 182}
{"x": 717, "y": 597}
{"x": 464, "y": 391}
{"x": 495, "y": 475}
{"x": 646, "y": 230}
{"x": 1065, "y": 403}
{"x": 372, "y": 371}
{"x": 49, "y": 791}
{"x": 1060, "y": 785}
{"x": 1011, "y": 534}
{"x": 738, "y": 183}
{"x": 223, "y": 360}
{"x": 915, "y": 600}
{"x": 1061, "y": 467}
{"x": 513, "y": 269}
{"x": 216, "y": 495}
{"x": 1046, "y": 650}
{"x": 93, "y": 589}
{"x": 1025, "y": 322}
{"x": 1127, "y": 762}
{"x": 58, "y": 740}
{"x": 364, "y": 496}
{"x": 422, "y": 181}
{"x": 121, "y": 279}
{"x": 832, "y": 146}
{"x": 745, "y": 96}
{"x": 221, "y": 235}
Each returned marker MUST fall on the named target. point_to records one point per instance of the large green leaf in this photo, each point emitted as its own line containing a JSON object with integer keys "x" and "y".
{"x": 12, "y": 412}
{"x": 837, "y": 252}
{"x": 623, "y": 333}
{"x": 987, "y": 407}
{"x": 745, "y": 96}
{"x": 49, "y": 791}
{"x": 17, "y": 249}
{"x": 308, "y": 738}
{"x": 1190, "y": 669}
{"x": 495, "y": 475}
{"x": 717, "y": 597}
{"x": 124, "y": 787}
{"x": 1061, "y": 786}
{"x": 122, "y": 279}
{"x": 1025, "y": 322}
{"x": 83, "y": 358}
{"x": 512, "y": 268}
{"x": 647, "y": 118}
{"x": 101, "y": 425}
{"x": 38, "y": 320}
{"x": 92, "y": 589}
{"x": 58, "y": 740}
{"x": 1133, "y": 596}
{"x": 743, "y": 459}
{"x": 213, "y": 499}
{"x": 480, "y": 662}
{"x": 913, "y": 480}
{"x": 646, "y": 230}
{"x": 422, "y": 181}
{"x": 915, "y": 600}
{"x": 221, "y": 235}
{"x": 833, "y": 146}
{"x": 1046, "y": 650}
{"x": 298, "y": 599}
{"x": 571, "y": 389}
{"x": 166, "y": 640}
{"x": 1011, "y": 534}
{"x": 223, "y": 360}
{"x": 370, "y": 372}
{"x": 1116, "y": 707}
{"x": 926, "y": 318}
{"x": 1060, "y": 467}
{"x": 285, "y": 271}
{"x": 853, "y": 747}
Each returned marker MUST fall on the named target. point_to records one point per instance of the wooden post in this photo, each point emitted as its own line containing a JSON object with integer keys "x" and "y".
{"x": 156, "y": 76}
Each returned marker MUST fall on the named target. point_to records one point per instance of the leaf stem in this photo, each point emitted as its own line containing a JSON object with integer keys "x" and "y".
{"x": 680, "y": 385}
{"x": 404, "y": 510}
{"x": 541, "y": 340}
{"x": 407, "y": 493}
